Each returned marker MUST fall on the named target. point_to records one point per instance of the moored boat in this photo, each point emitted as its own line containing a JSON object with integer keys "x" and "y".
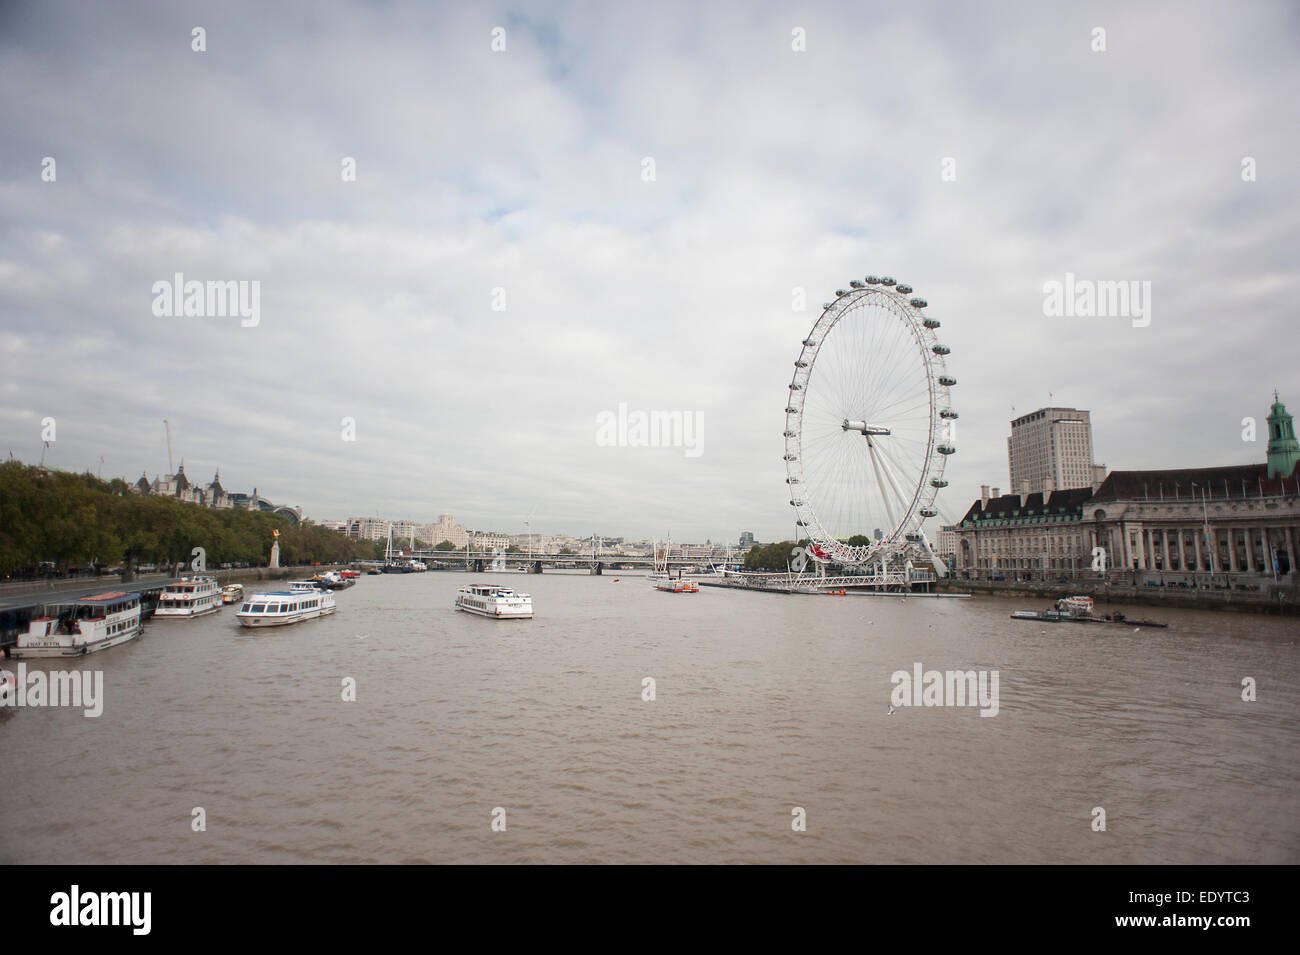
{"x": 333, "y": 580}
{"x": 1075, "y": 606}
{"x": 190, "y": 597}
{"x": 96, "y": 623}
{"x": 232, "y": 593}
{"x": 499, "y": 603}
{"x": 1065, "y": 616}
{"x": 302, "y": 601}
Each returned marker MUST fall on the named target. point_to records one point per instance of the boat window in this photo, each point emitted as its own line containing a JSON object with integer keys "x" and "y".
{"x": 258, "y": 608}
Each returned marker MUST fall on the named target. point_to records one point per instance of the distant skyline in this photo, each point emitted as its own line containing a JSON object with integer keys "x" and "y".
{"x": 500, "y": 277}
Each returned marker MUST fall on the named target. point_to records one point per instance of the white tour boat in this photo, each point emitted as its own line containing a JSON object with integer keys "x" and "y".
{"x": 678, "y": 586}
{"x": 232, "y": 593}
{"x": 190, "y": 597}
{"x": 489, "y": 600}
{"x": 302, "y": 601}
{"x": 96, "y": 623}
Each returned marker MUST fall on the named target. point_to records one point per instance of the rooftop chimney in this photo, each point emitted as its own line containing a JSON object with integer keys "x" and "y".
{"x": 984, "y": 495}
{"x": 1024, "y": 493}
{"x": 997, "y": 493}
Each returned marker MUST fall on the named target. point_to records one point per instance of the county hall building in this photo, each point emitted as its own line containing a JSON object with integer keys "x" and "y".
{"x": 1200, "y": 526}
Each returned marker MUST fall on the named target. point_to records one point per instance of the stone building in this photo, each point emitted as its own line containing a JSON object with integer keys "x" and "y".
{"x": 210, "y": 495}
{"x": 1195, "y": 526}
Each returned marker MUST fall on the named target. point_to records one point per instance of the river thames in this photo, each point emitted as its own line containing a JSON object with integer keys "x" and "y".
{"x": 763, "y": 704}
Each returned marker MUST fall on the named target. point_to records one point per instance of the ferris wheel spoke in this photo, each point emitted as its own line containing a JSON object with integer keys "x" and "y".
{"x": 875, "y": 465}
{"x": 889, "y": 473}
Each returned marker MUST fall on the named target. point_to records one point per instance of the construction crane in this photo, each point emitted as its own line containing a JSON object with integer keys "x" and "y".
{"x": 171, "y": 464}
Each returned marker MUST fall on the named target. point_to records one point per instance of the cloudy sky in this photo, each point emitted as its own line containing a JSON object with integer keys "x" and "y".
{"x": 523, "y": 170}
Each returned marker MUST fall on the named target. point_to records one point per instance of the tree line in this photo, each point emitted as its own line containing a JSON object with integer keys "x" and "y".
{"x": 76, "y": 520}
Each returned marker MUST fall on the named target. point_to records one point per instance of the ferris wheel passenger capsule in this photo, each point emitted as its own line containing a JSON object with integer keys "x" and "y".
{"x": 938, "y": 482}
{"x": 914, "y": 538}
{"x": 809, "y": 342}
{"x": 928, "y": 512}
{"x": 941, "y": 350}
{"x": 946, "y": 380}
{"x": 789, "y": 457}
{"x": 931, "y": 323}
{"x": 947, "y": 413}
{"x": 840, "y": 291}
{"x": 826, "y": 306}
{"x": 873, "y": 280}
{"x": 856, "y": 284}
{"x": 918, "y": 303}
{"x": 904, "y": 289}
{"x": 886, "y": 280}
{"x": 946, "y": 449}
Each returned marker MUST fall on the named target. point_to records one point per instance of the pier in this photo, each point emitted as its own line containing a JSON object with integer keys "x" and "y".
{"x": 18, "y": 610}
{"x": 29, "y": 599}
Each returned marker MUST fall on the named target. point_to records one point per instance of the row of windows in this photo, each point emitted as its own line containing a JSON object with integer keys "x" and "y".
{"x": 279, "y": 608}
{"x": 118, "y": 627}
{"x": 1053, "y": 545}
{"x": 99, "y": 613}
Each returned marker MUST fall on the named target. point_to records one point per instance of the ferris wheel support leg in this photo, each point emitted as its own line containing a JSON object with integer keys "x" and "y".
{"x": 889, "y": 474}
{"x": 940, "y": 567}
{"x": 875, "y": 466}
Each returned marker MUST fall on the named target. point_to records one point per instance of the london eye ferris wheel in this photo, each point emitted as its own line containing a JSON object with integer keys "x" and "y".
{"x": 869, "y": 426}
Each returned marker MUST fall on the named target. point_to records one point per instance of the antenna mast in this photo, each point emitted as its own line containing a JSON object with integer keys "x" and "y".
{"x": 171, "y": 464}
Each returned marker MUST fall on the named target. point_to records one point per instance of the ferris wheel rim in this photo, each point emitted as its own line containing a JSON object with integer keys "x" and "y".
{"x": 894, "y": 298}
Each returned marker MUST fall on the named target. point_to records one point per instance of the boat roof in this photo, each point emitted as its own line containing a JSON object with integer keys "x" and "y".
{"x": 107, "y": 597}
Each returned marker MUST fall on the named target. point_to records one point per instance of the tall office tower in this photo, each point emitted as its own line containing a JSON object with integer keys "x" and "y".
{"x": 1051, "y": 449}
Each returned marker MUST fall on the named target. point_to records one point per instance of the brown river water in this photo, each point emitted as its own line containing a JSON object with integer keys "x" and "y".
{"x": 763, "y": 704}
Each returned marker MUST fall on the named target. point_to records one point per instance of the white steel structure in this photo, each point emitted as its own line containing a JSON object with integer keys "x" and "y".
{"x": 868, "y": 427}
